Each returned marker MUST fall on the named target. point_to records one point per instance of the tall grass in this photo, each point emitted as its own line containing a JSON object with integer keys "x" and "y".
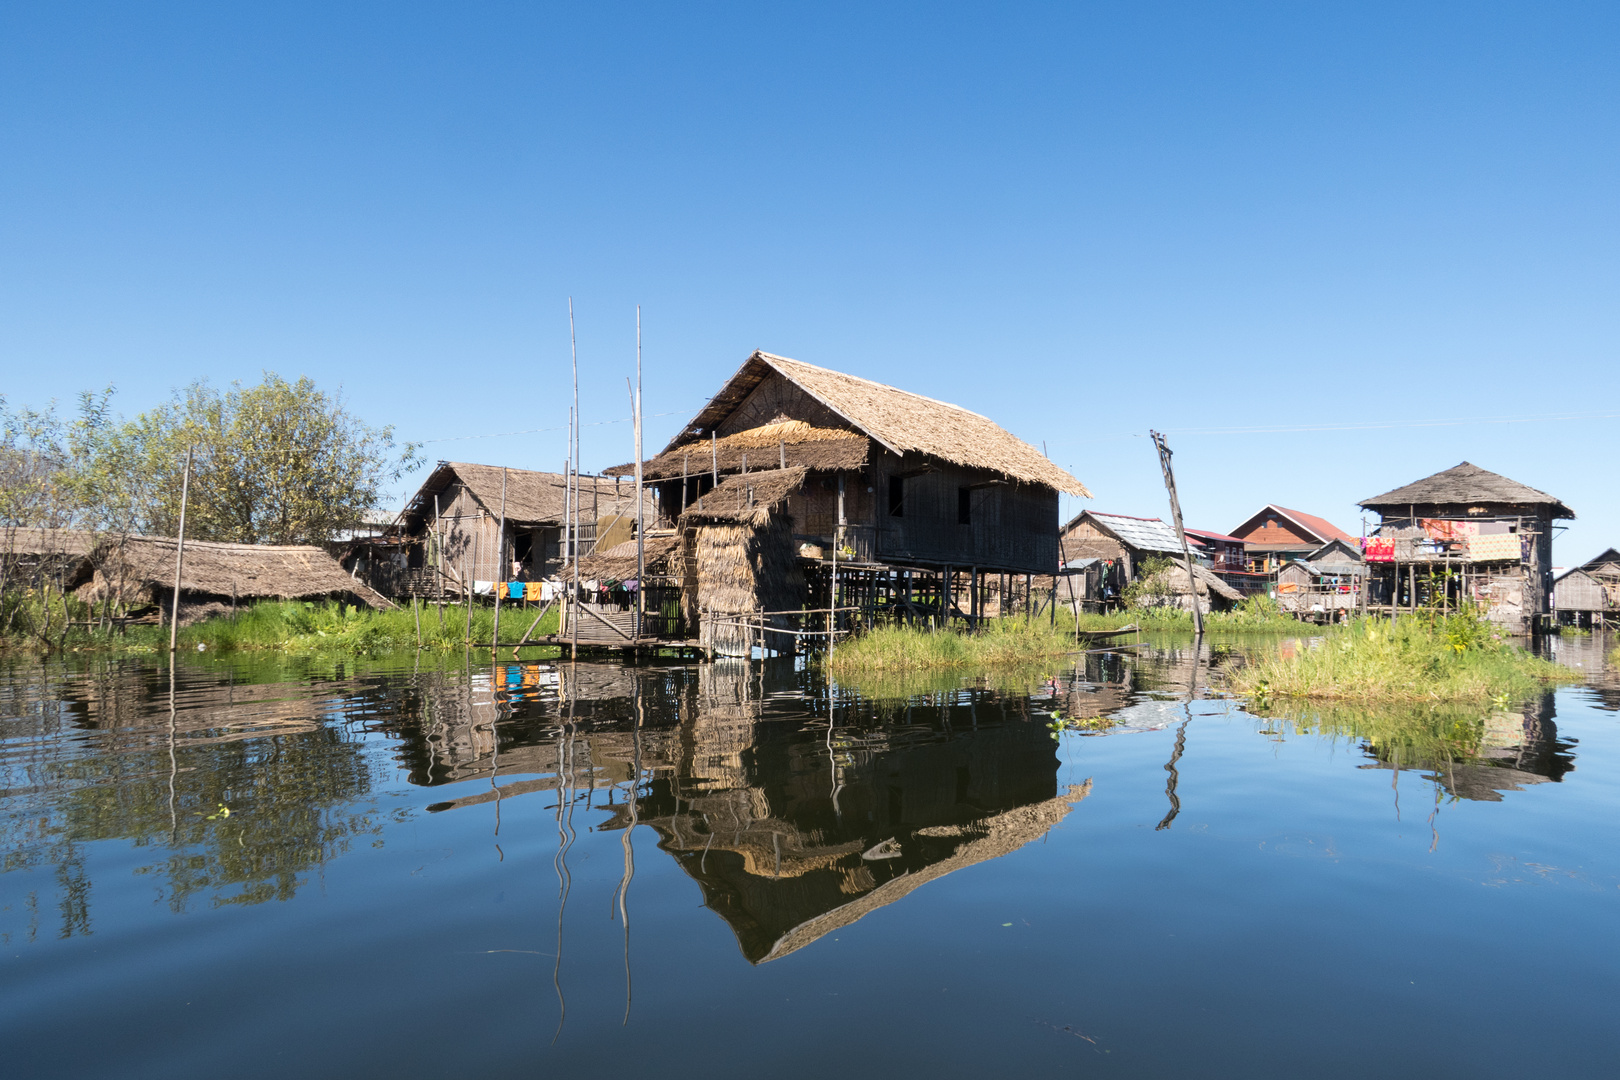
{"x": 307, "y": 628}
{"x": 1000, "y": 643}
{"x": 1458, "y": 658}
{"x": 302, "y": 627}
{"x": 1254, "y": 615}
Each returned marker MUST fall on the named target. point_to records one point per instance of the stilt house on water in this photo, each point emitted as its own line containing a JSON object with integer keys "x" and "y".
{"x": 926, "y": 508}
{"x": 1465, "y": 534}
{"x": 450, "y": 536}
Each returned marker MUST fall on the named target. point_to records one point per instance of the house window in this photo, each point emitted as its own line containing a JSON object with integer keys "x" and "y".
{"x": 964, "y": 506}
{"x": 897, "y": 496}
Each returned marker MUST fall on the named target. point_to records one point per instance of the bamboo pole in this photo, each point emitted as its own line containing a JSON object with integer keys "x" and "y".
{"x": 179, "y": 554}
{"x": 500, "y": 559}
{"x": 573, "y": 346}
{"x": 641, "y": 550}
{"x": 417, "y": 612}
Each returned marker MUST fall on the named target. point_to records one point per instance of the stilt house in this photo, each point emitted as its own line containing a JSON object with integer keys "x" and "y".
{"x": 1465, "y": 534}
{"x": 791, "y": 465}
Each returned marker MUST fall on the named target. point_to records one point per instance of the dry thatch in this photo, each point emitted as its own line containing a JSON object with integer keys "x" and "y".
{"x": 532, "y": 498}
{"x": 618, "y": 563}
{"x": 144, "y": 565}
{"x": 818, "y": 449}
{"x": 1176, "y": 578}
{"x": 901, "y": 421}
{"x": 740, "y": 558}
{"x": 746, "y": 497}
{"x": 16, "y": 540}
{"x": 1461, "y": 486}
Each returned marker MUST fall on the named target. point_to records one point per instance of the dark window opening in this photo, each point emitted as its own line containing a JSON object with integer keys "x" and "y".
{"x": 964, "y": 506}
{"x": 897, "y": 496}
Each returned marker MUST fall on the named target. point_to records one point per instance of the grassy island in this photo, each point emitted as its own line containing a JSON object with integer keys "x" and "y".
{"x": 1455, "y": 658}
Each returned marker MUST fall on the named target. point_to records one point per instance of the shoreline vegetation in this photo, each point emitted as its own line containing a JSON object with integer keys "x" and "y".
{"x": 1454, "y": 658}
{"x": 293, "y": 626}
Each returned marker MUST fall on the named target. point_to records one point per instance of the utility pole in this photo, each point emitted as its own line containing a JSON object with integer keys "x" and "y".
{"x": 1181, "y": 533}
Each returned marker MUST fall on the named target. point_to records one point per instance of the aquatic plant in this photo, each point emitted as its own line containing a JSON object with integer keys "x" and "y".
{"x": 1452, "y": 658}
{"x": 1009, "y": 642}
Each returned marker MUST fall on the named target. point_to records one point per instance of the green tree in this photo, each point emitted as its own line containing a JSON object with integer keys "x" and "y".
{"x": 276, "y": 463}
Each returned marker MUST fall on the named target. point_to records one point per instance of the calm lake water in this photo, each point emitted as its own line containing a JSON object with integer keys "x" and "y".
{"x": 368, "y": 869}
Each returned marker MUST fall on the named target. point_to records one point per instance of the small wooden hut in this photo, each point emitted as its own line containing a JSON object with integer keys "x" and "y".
{"x": 139, "y": 571}
{"x": 1465, "y": 534}
{"x": 1122, "y": 545}
{"x": 450, "y": 535}
{"x": 742, "y": 577}
{"x": 1213, "y": 593}
{"x": 1589, "y": 595}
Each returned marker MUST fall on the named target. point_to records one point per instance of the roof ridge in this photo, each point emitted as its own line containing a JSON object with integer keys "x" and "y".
{"x": 768, "y": 357}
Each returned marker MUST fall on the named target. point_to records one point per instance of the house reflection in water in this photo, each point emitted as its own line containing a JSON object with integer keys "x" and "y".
{"x": 1518, "y": 748}
{"x": 786, "y": 840}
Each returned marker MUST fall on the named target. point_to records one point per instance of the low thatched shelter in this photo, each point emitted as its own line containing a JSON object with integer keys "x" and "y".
{"x": 740, "y": 562}
{"x": 28, "y": 556}
{"x": 1213, "y": 593}
{"x": 139, "y": 570}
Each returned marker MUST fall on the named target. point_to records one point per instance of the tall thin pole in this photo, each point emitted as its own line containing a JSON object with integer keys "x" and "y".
{"x": 500, "y": 565}
{"x": 180, "y": 554}
{"x": 641, "y": 550}
{"x": 1181, "y": 533}
{"x": 573, "y": 346}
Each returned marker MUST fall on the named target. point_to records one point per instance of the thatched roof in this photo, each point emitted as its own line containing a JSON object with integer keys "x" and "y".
{"x": 746, "y": 498}
{"x": 532, "y": 498}
{"x": 817, "y": 449}
{"x": 901, "y": 421}
{"x": 618, "y": 563}
{"x": 1462, "y": 485}
{"x": 15, "y": 540}
{"x": 292, "y": 572}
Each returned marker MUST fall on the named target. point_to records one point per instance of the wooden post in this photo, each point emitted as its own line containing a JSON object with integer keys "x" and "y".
{"x": 418, "y": 614}
{"x": 1181, "y": 534}
{"x": 179, "y": 554}
{"x": 714, "y": 459}
{"x": 500, "y": 563}
{"x": 438, "y": 566}
{"x": 1029, "y": 595}
{"x": 573, "y": 346}
{"x": 973, "y": 598}
{"x": 781, "y": 450}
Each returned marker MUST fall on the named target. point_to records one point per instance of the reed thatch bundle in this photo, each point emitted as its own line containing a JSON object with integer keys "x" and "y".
{"x": 764, "y": 447}
{"x": 742, "y": 559}
{"x": 618, "y": 563}
{"x": 143, "y": 566}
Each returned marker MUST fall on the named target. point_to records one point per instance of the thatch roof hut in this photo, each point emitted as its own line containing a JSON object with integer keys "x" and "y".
{"x": 140, "y": 569}
{"x": 740, "y": 560}
{"x": 902, "y": 479}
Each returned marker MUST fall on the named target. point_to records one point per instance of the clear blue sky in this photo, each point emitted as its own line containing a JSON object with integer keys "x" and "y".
{"x": 1081, "y": 220}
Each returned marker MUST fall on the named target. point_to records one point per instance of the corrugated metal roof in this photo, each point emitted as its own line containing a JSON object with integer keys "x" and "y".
{"x": 1143, "y": 534}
